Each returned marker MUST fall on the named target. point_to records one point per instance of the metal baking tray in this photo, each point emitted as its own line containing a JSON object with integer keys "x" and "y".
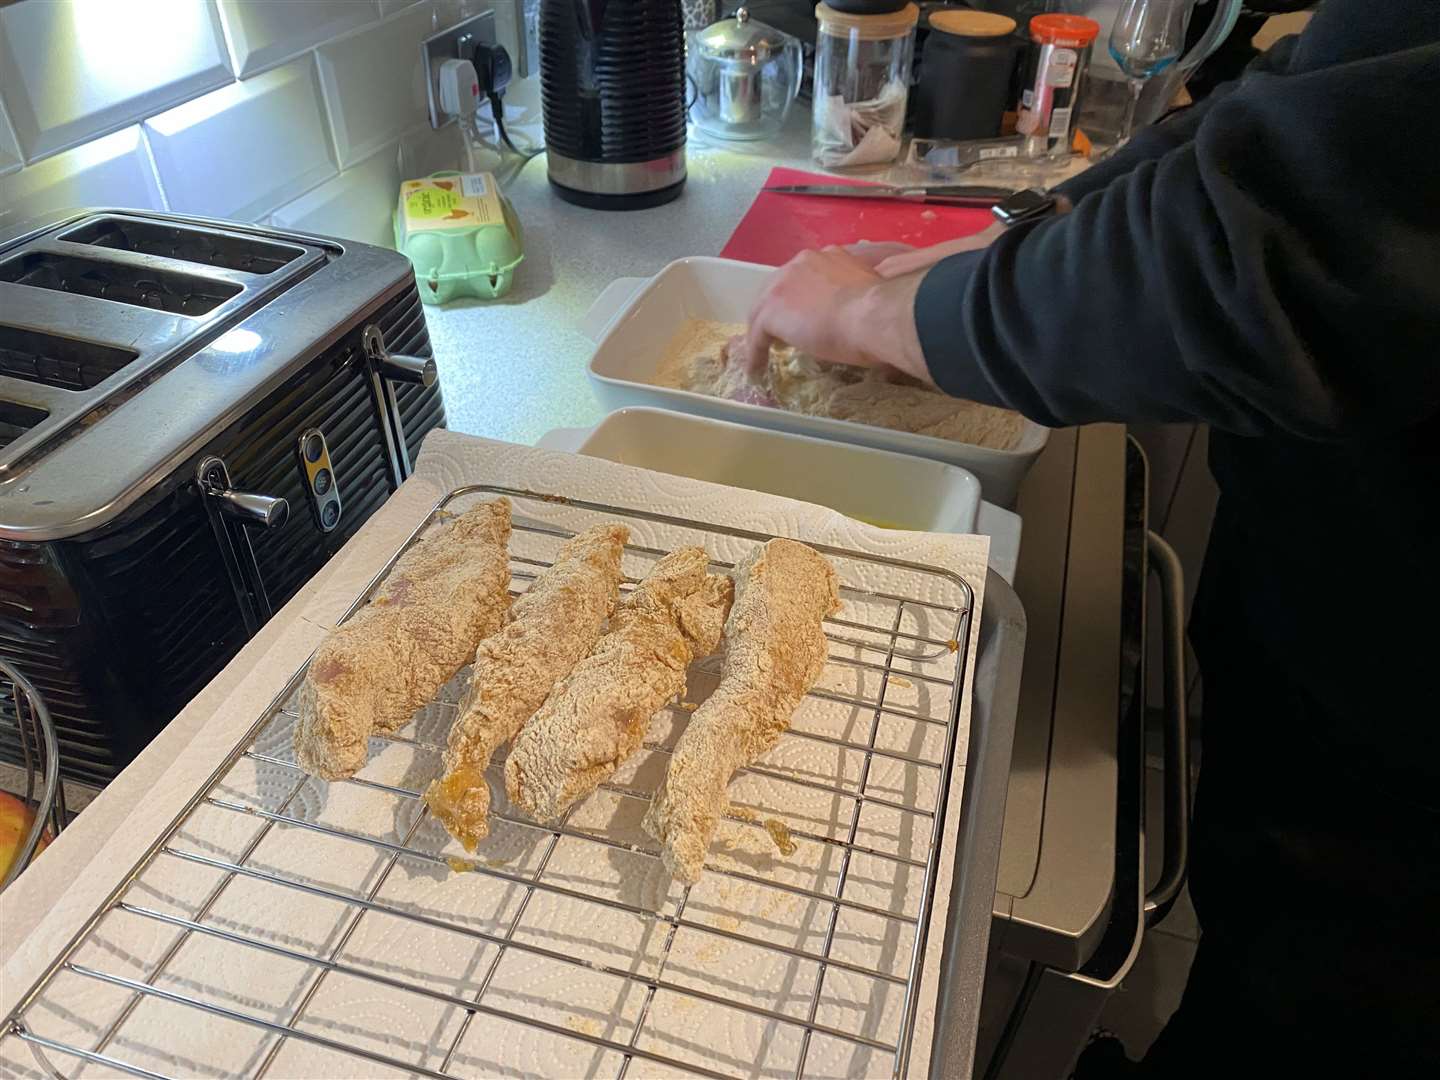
{"x": 282, "y": 925}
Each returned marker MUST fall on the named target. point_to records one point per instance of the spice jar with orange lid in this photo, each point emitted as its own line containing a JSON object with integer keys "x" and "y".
{"x": 1055, "y": 75}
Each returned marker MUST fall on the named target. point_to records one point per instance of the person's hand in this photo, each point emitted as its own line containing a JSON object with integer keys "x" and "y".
{"x": 804, "y": 306}
{"x": 907, "y": 262}
{"x": 832, "y": 305}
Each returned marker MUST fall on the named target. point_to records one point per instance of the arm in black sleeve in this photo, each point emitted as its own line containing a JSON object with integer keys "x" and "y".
{"x": 1278, "y": 273}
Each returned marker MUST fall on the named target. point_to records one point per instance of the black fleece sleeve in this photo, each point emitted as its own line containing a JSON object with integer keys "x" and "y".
{"x": 1278, "y": 272}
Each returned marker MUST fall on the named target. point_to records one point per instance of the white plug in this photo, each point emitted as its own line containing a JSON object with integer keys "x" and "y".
{"x": 459, "y": 88}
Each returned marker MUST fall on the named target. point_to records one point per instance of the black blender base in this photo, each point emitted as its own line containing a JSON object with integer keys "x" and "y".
{"x": 640, "y": 200}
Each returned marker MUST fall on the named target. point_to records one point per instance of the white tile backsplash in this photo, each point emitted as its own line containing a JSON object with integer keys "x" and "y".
{"x": 424, "y": 151}
{"x": 374, "y": 83}
{"x": 244, "y": 150}
{"x": 9, "y": 149}
{"x": 264, "y": 33}
{"x": 114, "y": 170}
{"x": 450, "y": 12}
{"x": 356, "y": 205}
{"x": 72, "y": 71}
{"x": 327, "y": 116}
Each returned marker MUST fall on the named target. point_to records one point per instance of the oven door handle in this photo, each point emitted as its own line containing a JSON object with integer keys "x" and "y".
{"x": 1166, "y": 566}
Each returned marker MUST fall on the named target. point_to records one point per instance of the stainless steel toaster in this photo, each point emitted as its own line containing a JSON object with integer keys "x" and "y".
{"x": 194, "y": 416}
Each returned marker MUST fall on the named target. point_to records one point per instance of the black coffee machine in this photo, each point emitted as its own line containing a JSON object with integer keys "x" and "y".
{"x": 612, "y": 74}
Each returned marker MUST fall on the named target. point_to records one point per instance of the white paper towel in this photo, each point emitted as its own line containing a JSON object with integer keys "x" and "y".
{"x": 790, "y": 785}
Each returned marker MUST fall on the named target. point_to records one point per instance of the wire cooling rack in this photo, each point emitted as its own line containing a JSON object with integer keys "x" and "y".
{"x": 285, "y": 926}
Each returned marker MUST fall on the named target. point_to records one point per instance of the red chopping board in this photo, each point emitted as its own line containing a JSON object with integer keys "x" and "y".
{"x": 778, "y": 227}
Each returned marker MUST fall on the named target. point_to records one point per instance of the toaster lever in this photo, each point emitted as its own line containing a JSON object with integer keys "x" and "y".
{"x": 420, "y": 370}
{"x": 254, "y": 509}
{"x": 247, "y": 506}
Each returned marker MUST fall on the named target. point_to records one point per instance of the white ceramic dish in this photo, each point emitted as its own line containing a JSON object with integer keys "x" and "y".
{"x": 634, "y": 320}
{"x": 858, "y": 481}
{"x": 891, "y": 490}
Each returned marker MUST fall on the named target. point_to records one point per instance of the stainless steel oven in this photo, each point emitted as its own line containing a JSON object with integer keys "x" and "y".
{"x": 1071, "y": 904}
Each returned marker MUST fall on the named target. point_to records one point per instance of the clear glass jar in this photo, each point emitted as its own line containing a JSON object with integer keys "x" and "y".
{"x": 862, "y": 82}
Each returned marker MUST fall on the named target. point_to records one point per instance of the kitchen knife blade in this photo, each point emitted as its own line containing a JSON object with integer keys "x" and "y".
{"x": 948, "y": 195}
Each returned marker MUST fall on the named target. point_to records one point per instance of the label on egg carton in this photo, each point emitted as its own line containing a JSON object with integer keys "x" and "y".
{"x": 456, "y": 201}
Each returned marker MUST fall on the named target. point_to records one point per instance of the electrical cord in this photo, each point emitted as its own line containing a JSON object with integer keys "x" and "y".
{"x": 497, "y": 107}
{"x": 493, "y": 68}
{"x": 510, "y": 165}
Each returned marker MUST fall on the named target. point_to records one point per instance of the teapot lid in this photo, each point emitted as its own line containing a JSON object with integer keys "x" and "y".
{"x": 741, "y": 38}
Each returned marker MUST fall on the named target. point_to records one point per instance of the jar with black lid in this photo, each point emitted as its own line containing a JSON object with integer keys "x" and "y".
{"x": 867, "y": 7}
{"x": 967, "y": 75}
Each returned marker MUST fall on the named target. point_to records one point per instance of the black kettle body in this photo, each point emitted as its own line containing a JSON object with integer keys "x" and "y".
{"x": 612, "y": 76}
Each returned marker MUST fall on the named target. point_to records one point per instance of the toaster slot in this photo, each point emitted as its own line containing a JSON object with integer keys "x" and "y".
{"x": 56, "y": 361}
{"x": 188, "y": 245}
{"x": 17, "y": 419}
{"x": 164, "y": 290}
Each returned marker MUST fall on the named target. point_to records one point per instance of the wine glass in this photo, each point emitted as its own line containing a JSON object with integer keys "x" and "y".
{"x": 1148, "y": 36}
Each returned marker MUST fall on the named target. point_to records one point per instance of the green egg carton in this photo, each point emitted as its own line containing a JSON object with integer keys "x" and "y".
{"x": 460, "y": 234}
